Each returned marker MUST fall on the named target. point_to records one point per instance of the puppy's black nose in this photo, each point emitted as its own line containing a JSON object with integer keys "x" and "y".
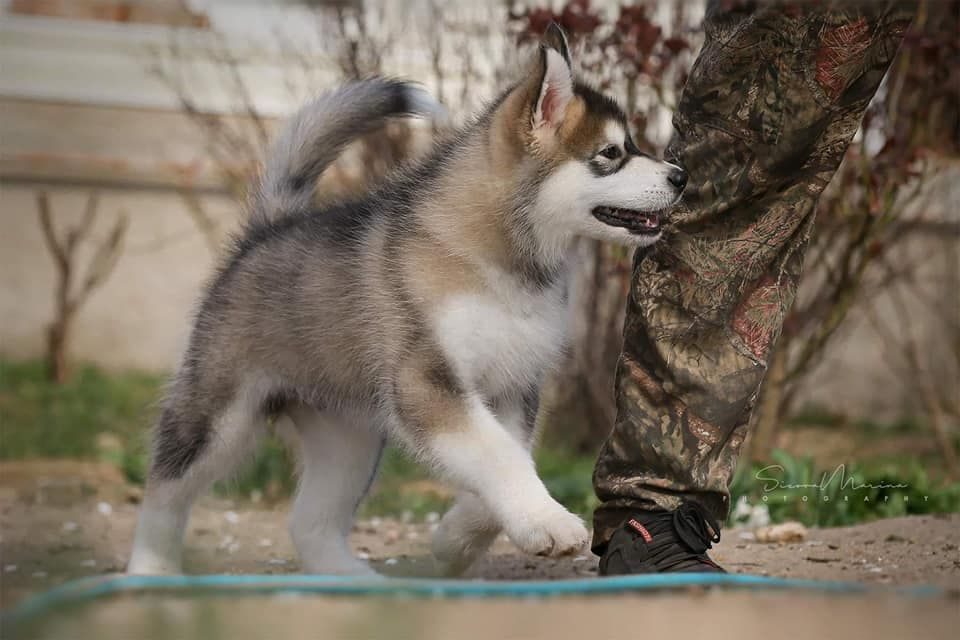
{"x": 678, "y": 178}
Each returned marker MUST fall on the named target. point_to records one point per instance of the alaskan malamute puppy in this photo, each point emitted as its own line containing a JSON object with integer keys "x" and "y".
{"x": 428, "y": 311}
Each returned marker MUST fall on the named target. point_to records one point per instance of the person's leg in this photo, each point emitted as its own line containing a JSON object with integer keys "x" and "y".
{"x": 771, "y": 105}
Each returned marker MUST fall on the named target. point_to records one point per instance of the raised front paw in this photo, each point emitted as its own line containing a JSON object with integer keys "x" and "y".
{"x": 548, "y": 532}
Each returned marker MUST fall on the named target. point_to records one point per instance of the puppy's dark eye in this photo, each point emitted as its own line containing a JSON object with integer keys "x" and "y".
{"x": 611, "y": 152}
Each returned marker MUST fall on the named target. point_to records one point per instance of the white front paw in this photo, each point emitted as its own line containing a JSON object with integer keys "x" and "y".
{"x": 549, "y": 531}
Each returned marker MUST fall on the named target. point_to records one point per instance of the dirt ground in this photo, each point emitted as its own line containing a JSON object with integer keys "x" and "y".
{"x": 52, "y": 532}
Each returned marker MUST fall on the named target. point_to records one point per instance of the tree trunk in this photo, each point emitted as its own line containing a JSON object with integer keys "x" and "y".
{"x": 766, "y": 418}
{"x": 58, "y": 369}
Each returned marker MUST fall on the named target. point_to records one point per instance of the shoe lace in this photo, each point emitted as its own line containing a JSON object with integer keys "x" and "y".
{"x": 696, "y": 526}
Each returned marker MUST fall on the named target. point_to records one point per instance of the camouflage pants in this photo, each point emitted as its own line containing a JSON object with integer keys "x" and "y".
{"x": 771, "y": 105}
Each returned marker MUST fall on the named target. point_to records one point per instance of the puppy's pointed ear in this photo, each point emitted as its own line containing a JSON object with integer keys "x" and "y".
{"x": 556, "y": 80}
{"x": 555, "y": 38}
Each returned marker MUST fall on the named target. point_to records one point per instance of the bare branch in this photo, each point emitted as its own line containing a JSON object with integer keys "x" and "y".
{"x": 206, "y": 224}
{"x": 104, "y": 260}
{"x": 78, "y": 233}
{"x": 59, "y": 252}
{"x": 229, "y": 61}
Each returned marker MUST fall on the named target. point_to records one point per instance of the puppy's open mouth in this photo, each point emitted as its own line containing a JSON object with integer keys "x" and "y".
{"x": 639, "y": 222}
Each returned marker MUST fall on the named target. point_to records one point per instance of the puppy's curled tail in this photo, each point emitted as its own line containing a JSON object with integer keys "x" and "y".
{"x": 318, "y": 133}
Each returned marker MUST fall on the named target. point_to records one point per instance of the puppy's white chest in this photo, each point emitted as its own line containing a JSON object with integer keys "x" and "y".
{"x": 498, "y": 347}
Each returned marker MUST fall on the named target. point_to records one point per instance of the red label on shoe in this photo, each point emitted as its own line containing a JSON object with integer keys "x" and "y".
{"x": 639, "y": 528}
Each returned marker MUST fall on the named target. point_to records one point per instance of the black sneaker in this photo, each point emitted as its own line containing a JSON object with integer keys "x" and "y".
{"x": 663, "y": 542}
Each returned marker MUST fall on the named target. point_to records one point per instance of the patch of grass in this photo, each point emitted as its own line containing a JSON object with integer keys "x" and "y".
{"x": 272, "y": 474}
{"x": 41, "y": 419}
{"x": 795, "y": 488}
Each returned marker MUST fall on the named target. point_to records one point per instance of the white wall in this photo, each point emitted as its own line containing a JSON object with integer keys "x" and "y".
{"x": 139, "y": 318}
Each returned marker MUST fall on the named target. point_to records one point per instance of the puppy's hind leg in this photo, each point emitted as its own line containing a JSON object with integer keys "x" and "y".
{"x": 339, "y": 458}
{"x": 192, "y": 450}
